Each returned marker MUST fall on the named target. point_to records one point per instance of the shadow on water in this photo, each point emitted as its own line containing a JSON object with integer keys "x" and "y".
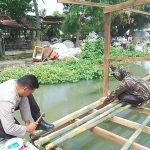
{"x": 59, "y": 100}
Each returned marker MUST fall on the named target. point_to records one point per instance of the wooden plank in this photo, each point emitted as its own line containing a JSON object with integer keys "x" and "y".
{"x": 138, "y": 12}
{"x": 81, "y": 2}
{"x": 100, "y": 5}
{"x": 107, "y": 26}
{"x": 116, "y": 138}
{"x": 134, "y": 136}
{"x": 128, "y": 123}
{"x": 125, "y": 5}
{"x": 131, "y": 58}
{"x": 142, "y": 110}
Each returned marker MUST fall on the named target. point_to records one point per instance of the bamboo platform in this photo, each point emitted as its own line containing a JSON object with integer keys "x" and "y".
{"x": 87, "y": 118}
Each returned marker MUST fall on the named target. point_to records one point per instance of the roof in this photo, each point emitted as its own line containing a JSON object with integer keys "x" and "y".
{"x": 52, "y": 20}
{"x": 7, "y": 21}
{"x": 4, "y": 17}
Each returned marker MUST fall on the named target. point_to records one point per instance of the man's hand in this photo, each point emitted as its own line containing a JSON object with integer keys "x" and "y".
{"x": 31, "y": 128}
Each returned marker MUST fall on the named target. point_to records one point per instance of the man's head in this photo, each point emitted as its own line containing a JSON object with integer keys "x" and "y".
{"x": 118, "y": 72}
{"x": 26, "y": 85}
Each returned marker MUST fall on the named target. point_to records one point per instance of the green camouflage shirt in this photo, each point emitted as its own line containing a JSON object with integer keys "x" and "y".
{"x": 132, "y": 85}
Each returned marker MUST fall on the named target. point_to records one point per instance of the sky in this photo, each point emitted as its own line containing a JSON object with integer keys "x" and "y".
{"x": 50, "y": 6}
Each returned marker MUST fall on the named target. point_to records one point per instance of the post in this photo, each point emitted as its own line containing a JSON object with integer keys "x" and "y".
{"x": 107, "y": 24}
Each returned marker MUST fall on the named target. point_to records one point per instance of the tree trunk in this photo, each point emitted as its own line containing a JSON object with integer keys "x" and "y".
{"x": 77, "y": 39}
{"x": 38, "y": 32}
{"x": 2, "y": 48}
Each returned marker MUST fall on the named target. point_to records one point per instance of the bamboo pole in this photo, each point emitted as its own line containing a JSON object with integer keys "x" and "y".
{"x": 71, "y": 116}
{"x": 142, "y": 110}
{"x": 49, "y": 137}
{"x": 135, "y": 134}
{"x": 130, "y": 124}
{"x": 107, "y": 26}
{"x": 116, "y": 138}
{"x": 90, "y": 124}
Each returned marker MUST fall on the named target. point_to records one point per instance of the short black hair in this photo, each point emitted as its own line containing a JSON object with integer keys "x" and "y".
{"x": 29, "y": 81}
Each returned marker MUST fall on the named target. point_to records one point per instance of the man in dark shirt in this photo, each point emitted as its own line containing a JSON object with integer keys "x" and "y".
{"x": 133, "y": 90}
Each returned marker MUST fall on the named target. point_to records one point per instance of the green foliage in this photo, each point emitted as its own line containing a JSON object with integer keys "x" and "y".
{"x": 89, "y": 66}
{"x": 131, "y": 47}
{"x": 86, "y": 19}
{"x": 16, "y": 8}
{"x": 93, "y": 50}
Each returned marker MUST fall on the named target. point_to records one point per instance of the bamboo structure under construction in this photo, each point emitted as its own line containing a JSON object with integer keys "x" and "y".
{"x": 90, "y": 116}
{"x": 90, "y": 124}
{"x": 71, "y": 116}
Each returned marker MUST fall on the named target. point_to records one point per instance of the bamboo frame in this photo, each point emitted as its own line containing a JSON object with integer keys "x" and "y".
{"x": 116, "y": 138}
{"x": 138, "y": 12}
{"x": 90, "y": 124}
{"x": 87, "y": 122}
{"x": 131, "y": 58}
{"x": 130, "y": 124}
{"x": 124, "y": 5}
{"x": 49, "y": 137}
{"x": 107, "y": 17}
{"x": 71, "y": 116}
{"x": 129, "y": 142}
{"x": 107, "y": 26}
{"x": 81, "y": 2}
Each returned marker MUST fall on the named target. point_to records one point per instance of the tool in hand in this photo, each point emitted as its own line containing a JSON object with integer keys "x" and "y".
{"x": 40, "y": 118}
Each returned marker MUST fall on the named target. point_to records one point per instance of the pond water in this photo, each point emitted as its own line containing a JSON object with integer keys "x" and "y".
{"x": 59, "y": 100}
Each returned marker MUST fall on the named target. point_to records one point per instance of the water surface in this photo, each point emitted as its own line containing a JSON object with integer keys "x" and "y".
{"x": 59, "y": 100}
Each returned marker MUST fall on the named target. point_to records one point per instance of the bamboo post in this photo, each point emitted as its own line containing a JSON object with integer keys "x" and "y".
{"x": 90, "y": 124}
{"x": 71, "y": 116}
{"x": 107, "y": 26}
{"x": 49, "y": 137}
{"x": 136, "y": 134}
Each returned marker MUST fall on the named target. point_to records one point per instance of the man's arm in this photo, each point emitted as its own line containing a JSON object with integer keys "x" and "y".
{"x": 25, "y": 111}
{"x": 8, "y": 122}
{"x": 113, "y": 95}
{"x": 26, "y": 115}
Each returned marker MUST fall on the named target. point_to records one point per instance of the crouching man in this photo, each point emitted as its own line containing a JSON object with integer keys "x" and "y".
{"x": 133, "y": 90}
{"x": 14, "y": 95}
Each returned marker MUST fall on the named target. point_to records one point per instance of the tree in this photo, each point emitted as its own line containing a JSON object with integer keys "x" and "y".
{"x": 17, "y": 9}
{"x": 81, "y": 20}
{"x": 84, "y": 19}
{"x": 128, "y": 20}
{"x": 42, "y": 12}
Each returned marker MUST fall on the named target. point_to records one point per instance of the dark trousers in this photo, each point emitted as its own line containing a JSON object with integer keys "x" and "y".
{"x": 35, "y": 112}
{"x": 129, "y": 98}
